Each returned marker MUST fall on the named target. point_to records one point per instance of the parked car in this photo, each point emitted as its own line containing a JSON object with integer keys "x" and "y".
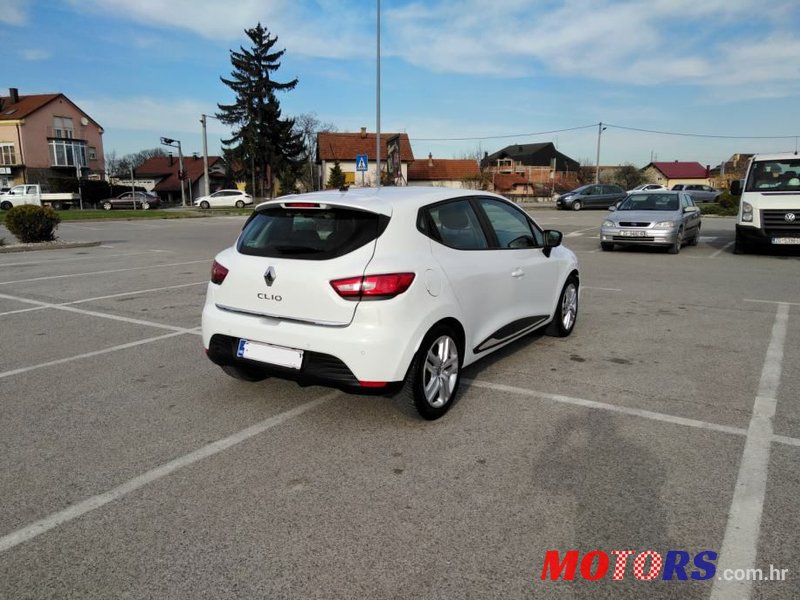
{"x": 143, "y": 200}
{"x": 596, "y": 195}
{"x": 662, "y": 218}
{"x": 382, "y": 290}
{"x": 698, "y": 192}
{"x": 224, "y": 198}
{"x": 647, "y": 187}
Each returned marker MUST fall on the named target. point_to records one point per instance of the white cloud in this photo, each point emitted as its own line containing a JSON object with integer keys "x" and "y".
{"x": 34, "y": 54}
{"x": 15, "y": 12}
{"x": 157, "y": 115}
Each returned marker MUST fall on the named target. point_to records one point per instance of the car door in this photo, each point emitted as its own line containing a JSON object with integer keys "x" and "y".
{"x": 611, "y": 194}
{"x": 534, "y": 276}
{"x": 479, "y": 275}
{"x": 690, "y": 216}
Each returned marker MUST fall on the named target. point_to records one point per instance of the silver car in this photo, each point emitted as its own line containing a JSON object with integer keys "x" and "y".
{"x": 663, "y": 218}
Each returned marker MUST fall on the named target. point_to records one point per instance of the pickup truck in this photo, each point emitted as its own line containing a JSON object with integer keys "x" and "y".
{"x": 33, "y": 194}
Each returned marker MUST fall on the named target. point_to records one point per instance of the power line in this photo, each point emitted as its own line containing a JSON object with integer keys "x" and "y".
{"x": 498, "y": 137}
{"x": 637, "y": 129}
{"x": 705, "y": 135}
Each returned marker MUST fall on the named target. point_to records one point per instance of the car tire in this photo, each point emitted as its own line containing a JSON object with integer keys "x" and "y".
{"x": 435, "y": 374}
{"x": 696, "y": 237}
{"x": 566, "y": 310}
{"x": 239, "y": 204}
{"x": 607, "y": 246}
{"x": 577, "y": 205}
{"x": 244, "y": 373}
{"x": 6, "y": 205}
{"x": 107, "y": 206}
{"x": 675, "y": 248}
{"x": 205, "y": 205}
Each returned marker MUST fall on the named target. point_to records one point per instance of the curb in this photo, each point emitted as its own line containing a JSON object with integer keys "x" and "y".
{"x": 56, "y": 245}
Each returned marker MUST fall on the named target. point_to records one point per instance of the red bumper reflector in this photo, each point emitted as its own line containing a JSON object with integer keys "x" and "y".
{"x": 372, "y": 384}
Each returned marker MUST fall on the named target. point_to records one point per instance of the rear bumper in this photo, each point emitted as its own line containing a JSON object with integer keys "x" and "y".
{"x": 343, "y": 357}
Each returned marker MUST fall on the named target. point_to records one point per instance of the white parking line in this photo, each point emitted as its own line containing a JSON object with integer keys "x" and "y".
{"x": 636, "y": 412}
{"x": 84, "y": 300}
{"x": 579, "y": 232}
{"x": 721, "y": 250}
{"x": 81, "y": 508}
{"x": 601, "y": 289}
{"x": 740, "y": 544}
{"x": 49, "y": 261}
{"x": 779, "y": 302}
{"x": 61, "y": 361}
{"x": 178, "y": 264}
{"x": 94, "y": 313}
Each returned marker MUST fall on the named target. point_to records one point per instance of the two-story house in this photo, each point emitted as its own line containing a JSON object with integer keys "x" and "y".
{"x": 525, "y": 169}
{"x": 47, "y": 136}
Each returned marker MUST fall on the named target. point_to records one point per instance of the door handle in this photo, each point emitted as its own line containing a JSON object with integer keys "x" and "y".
{"x": 517, "y": 273}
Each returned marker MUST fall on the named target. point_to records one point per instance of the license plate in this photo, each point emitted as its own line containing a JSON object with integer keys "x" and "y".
{"x": 633, "y": 233}
{"x": 266, "y": 353}
{"x": 787, "y": 241}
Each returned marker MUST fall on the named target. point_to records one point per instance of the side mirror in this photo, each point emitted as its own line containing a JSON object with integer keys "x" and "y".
{"x": 552, "y": 239}
{"x": 612, "y": 208}
{"x": 736, "y": 187}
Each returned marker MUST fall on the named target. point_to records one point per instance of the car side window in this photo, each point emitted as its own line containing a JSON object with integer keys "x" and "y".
{"x": 511, "y": 226}
{"x": 457, "y": 225}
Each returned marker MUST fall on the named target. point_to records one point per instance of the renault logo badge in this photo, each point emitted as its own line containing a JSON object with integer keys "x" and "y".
{"x": 789, "y": 217}
{"x": 270, "y": 276}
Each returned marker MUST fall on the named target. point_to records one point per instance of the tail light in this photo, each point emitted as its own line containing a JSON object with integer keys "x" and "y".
{"x": 373, "y": 287}
{"x": 218, "y": 273}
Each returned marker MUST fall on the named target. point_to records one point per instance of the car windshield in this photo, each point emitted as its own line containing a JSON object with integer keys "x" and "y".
{"x": 309, "y": 234}
{"x": 774, "y": 175}
{"x": 650, "y": 202}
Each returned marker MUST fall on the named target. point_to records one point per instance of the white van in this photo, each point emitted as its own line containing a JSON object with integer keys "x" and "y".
{"x": 769, "y": 211}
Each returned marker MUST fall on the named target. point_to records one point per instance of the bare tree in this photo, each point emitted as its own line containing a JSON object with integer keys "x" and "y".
{"x": 308, "y": 125}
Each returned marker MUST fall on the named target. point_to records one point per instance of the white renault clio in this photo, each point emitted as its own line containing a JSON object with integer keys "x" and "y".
{"x": 375, "y": 290}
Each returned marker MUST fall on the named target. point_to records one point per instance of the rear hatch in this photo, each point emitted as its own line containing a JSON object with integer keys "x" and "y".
{"x": 287, "y": 255}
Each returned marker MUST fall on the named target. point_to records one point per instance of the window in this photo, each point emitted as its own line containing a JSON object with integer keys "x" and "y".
{"x": 92, "y": 153}
{"x": 512, "y": 228}
{"x": 457, "y": 225}
{"x": 7, "y": 154}
{"x": 67, "y": 153}
{"x": 62, "y": 127}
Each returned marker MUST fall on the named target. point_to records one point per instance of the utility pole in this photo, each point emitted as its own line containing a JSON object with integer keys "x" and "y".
{"x": 600, "y": 130}
{"x": 206, "y": 188}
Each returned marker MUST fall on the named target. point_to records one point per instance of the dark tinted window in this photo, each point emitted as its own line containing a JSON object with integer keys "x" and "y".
{"x": 456, "y": 225}
{"x": 309, "y": 234}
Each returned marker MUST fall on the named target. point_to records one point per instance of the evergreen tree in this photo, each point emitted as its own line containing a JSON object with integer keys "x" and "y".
{"x": 336, "y": 177}
{"x": 263, "y": 143}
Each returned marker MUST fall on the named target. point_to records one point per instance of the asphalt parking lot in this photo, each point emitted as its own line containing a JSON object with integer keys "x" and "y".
{"x": 132, "y": 467}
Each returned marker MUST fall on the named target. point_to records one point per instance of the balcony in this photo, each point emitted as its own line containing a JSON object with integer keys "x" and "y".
{"x": 55, "y": 133}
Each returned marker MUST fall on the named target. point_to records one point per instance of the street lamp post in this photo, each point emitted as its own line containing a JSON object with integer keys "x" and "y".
{"x": 203, "y": 118}
{"x": 378, "y": 103}
{"x": 177, "y": 144}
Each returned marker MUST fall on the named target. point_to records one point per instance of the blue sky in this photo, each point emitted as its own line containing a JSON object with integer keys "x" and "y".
{"x": 451, "y": 69}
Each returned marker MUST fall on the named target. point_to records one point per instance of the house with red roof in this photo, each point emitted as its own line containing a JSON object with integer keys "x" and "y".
{"x": 46, "y": 136}
{"x": 164, "y": 173}
{"x": 670, "y": 173}
{"x": 345, "y": 148}
{"x": 441, "y": 172}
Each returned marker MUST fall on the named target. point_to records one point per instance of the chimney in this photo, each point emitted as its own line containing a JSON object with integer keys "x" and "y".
{"x": 194, "y": 155}
{"x": 363, "y": 132}
{"x": 14, "y": 93}
{"x": 430, "y": 160}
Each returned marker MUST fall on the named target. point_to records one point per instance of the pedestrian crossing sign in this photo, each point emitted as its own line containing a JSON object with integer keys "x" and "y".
{"x": 361, "y": 162}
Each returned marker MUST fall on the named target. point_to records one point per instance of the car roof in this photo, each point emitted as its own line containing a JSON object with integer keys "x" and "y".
{"x": 778, "y": 156}
{"x": 383, "y": 200}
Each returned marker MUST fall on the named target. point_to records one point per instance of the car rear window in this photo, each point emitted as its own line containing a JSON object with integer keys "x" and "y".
{"x": 309, "y": 234}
